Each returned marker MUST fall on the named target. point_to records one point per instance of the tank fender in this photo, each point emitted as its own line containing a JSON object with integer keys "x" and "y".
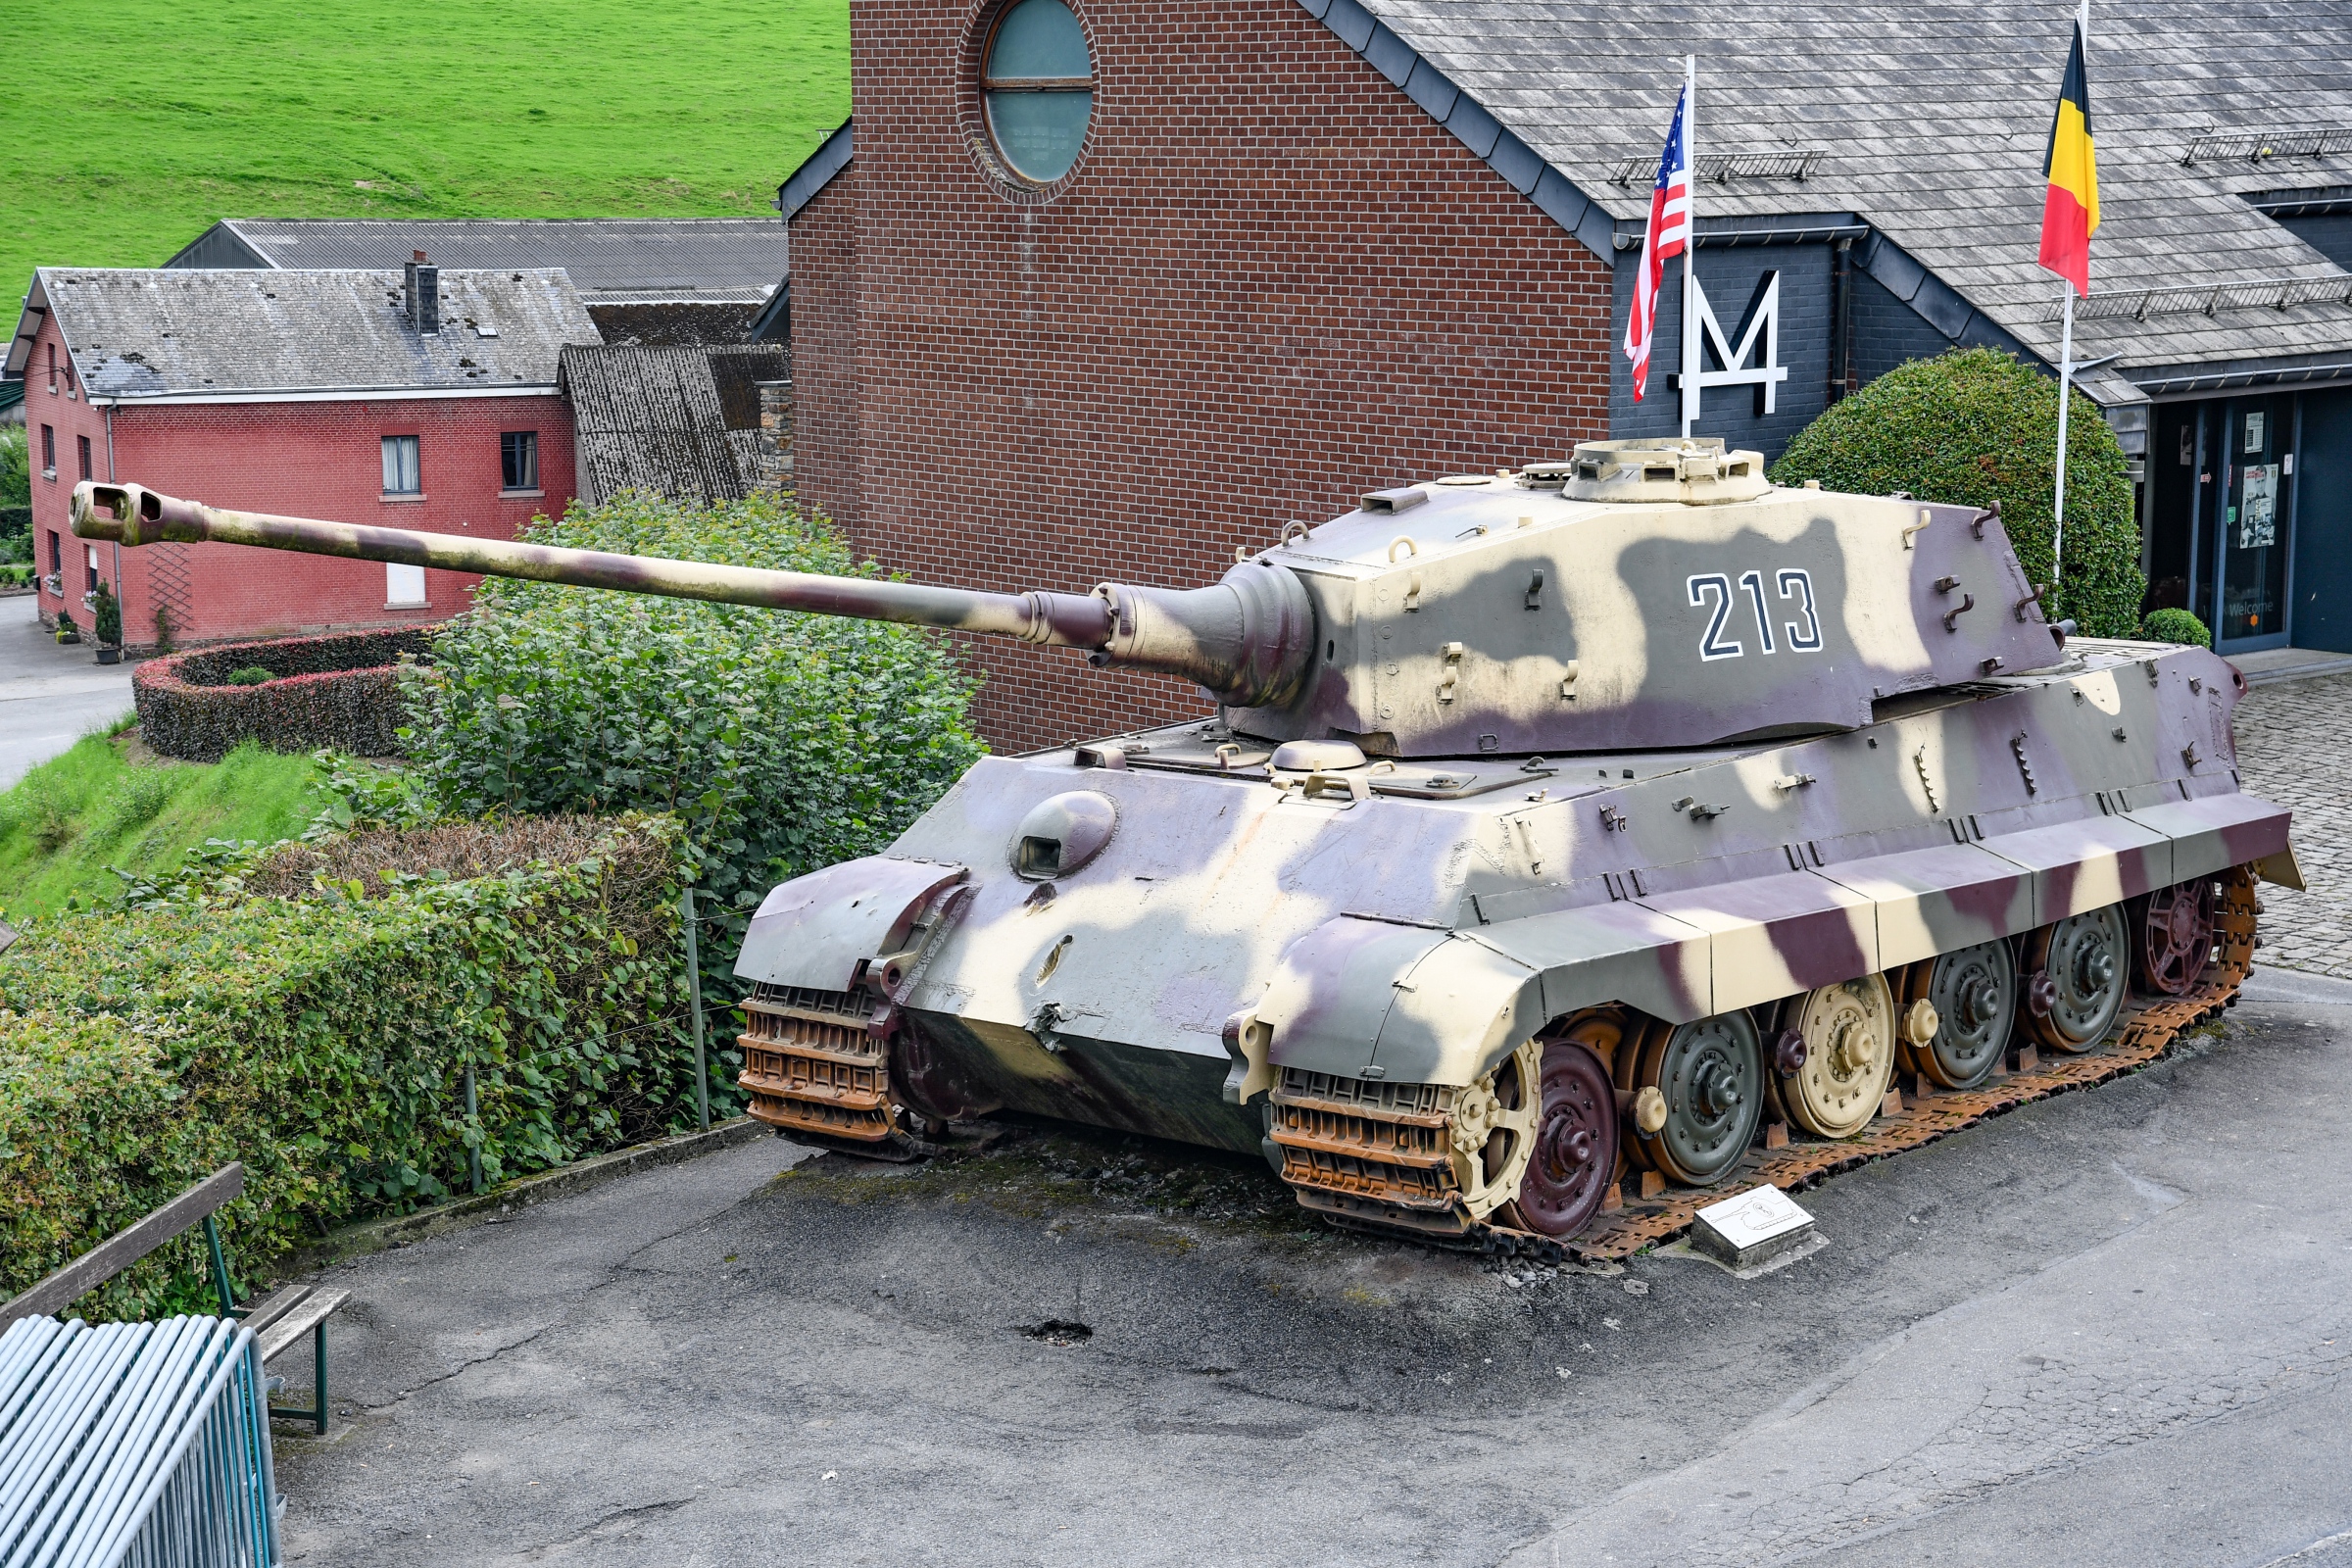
{"x": 817, "y": 931}
{"x": 1331, "y": 991}
{"x": 1360, "y": 998}
{"x": 2214, "y": 832}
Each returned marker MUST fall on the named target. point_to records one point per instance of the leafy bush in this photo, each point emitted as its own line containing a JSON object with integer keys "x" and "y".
{"x": 341, "y": 691}
{"x": 106, "y": 615}
{"x": 2175, "y": 626}
{"x": 16, "y": 476}
{"x": 323, "y": 1041}
{"x": 1971, "y": 427}
{"x": 784, "y": 742}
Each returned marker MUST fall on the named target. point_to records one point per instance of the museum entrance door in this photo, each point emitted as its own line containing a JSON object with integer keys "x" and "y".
{"x": 2223, "y": 517}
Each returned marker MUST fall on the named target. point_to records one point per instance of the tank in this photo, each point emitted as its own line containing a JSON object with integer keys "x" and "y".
{"x": 1571, "y": 846}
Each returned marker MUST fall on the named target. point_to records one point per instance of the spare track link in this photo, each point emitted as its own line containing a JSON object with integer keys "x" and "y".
{"x": 814, "y": 1066}
{"x": 1349, "y": 1156}
{"x": 818, "y": 1063}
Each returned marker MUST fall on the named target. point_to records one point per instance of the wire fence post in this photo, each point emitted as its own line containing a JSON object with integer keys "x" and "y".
{"x": 693, "y": 991}
{"x": 473, "y": 1132}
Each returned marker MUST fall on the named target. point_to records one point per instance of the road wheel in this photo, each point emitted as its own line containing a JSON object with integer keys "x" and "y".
{"x": 1575, "y": 1146}
{"x": 2087, "y": 962}
{"x": 2171, "y": 931}
{"x": 1848, "y": 1033}
{"x": 1973, "y": 993}
{"x": 1711, "y": 1072}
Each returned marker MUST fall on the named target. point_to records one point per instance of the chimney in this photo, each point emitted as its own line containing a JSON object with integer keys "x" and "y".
{"x": 425, "y": 296}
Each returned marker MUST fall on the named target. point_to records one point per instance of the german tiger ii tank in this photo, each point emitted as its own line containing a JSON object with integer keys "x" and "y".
{"x": 1569, "y": 843}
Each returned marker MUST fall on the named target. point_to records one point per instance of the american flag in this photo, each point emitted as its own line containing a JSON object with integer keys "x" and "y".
{"x": 1669, "y": 231}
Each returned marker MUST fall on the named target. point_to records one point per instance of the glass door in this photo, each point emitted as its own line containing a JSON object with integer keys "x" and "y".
{"x": 2253, "y": 448}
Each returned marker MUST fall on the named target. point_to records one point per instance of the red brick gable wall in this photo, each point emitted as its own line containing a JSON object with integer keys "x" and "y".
{"x": 315, "y": 459}
{"x": 824, "y": 349}
{"x": 1270, "y": 283}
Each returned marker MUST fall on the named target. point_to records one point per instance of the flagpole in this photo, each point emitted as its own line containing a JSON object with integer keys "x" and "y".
{"x": 1690, "y": 246}
{"x": 2066, "y": 375}
{"x": 2066, "y": 368}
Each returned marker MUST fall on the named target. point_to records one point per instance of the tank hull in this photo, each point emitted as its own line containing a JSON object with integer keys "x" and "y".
{"x": 1404, "y": 927}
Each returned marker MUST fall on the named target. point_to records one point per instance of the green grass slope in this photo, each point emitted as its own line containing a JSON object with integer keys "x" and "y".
{"x": 69, "y": 819}
{"x": 132, "y": 124}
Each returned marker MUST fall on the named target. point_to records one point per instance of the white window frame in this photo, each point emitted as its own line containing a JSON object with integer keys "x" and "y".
{"x": 403, "y": 461}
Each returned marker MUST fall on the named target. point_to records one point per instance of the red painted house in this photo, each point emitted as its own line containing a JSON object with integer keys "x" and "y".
{"x": 424, "y": 399}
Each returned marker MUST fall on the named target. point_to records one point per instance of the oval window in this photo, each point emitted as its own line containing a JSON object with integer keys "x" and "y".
{"x": 1039, "y": 86}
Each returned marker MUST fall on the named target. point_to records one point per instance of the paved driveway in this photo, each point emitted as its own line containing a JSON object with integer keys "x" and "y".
{"x": 2112, "y": 1328}
{"x": 50, "y": 697}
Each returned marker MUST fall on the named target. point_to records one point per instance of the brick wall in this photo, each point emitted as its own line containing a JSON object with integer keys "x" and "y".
{"x": 316, "y": 459}
{"x": 1270, "y": 283}
{"x": 824, "y": 349}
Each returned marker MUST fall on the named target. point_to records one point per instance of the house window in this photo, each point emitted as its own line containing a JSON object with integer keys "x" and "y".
{"x": 83, "y": 442}
{"x": 400, "y": 467}
{"x": 1038, "y": 85}
{"x": 53, "y": 370}
{"x": 57, "y": 558}
{"x": 518, "y": 460}
{"x": 91, "y": 562}
{"x": 48, "y": 452}
{"x": 404, "y": 587}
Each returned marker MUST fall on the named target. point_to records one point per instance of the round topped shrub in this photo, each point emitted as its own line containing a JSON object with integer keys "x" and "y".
{"x": 2175, "y": 626}
{"x": 1971, "y": 427}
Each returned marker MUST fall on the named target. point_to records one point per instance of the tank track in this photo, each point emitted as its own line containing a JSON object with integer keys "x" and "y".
{"x": 1351, "y": 1156}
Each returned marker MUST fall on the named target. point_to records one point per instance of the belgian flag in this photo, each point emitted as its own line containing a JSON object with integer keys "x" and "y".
{"x": 2070, "y": 210}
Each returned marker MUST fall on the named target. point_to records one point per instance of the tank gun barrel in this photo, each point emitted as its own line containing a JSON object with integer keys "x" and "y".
{"x": 1246, "y": 640}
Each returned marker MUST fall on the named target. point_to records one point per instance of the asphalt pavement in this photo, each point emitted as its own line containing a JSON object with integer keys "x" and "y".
{"x": 50, "y": 697}
{"x": 2111, "y": 1328}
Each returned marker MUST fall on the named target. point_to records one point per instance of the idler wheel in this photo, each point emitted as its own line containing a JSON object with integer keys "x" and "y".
{"x": 2173, "y": 936}
{"x": 2088, "y": 961}
{"x": 1973, "y": 993}
{"x": 1710, "y": 1073}
{"x": 1575, "y": 1146}
{"x": 1492, "y": 1130}
{"x": 1848, "y": 1031}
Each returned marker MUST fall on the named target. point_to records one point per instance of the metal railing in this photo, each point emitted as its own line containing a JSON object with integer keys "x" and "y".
{"x": 135, "y": 1444}
{"x": 2210, "y": 299}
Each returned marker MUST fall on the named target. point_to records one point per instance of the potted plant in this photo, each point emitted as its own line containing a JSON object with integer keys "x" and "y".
{"x": 105, "y": 619}
{"x": 67, "y": 632}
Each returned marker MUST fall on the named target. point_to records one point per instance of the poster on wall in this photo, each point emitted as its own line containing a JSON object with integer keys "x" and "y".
{"x": 2258, "y": 518}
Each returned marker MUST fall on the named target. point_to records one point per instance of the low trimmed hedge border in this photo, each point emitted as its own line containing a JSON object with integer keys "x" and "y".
{"x": 341, "y": 690}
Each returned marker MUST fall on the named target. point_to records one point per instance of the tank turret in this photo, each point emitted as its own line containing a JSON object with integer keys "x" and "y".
{"x": 1637, "y": 594}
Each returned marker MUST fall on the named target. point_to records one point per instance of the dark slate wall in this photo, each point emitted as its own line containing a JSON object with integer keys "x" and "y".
{"x": 2331, "y": 235}
{"x": 1729, "y": 275}
{"x": 1887, "y": 331}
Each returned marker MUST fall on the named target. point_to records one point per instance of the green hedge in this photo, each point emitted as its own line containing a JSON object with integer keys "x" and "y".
{"x": 1971, "y": 427}
{"x": 323, "y": 1041}
{"x": 341, "y": 691}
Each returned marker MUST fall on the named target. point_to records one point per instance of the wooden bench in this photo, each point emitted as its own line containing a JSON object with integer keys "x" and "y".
{"x": 277, "y": 1320}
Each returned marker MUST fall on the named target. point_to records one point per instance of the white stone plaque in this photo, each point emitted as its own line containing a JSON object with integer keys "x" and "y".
{"x": 1760, "y": 1223}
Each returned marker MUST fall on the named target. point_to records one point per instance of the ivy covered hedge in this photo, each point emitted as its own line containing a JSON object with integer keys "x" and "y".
{"x": 341, "y": 690}
{"x": 1971, "y": 427}
{"x": 323, "y": 1040}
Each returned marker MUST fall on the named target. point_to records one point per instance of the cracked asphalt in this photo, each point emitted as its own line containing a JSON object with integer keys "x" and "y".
{"x": 2112, "y": 1328}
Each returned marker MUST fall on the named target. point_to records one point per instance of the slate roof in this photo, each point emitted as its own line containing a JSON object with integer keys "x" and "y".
{"x": 1930, "y": 122}
{"x": 152, "y": 333}
{"x": 611, "y": 259}
{"x": 650, "y": 419}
